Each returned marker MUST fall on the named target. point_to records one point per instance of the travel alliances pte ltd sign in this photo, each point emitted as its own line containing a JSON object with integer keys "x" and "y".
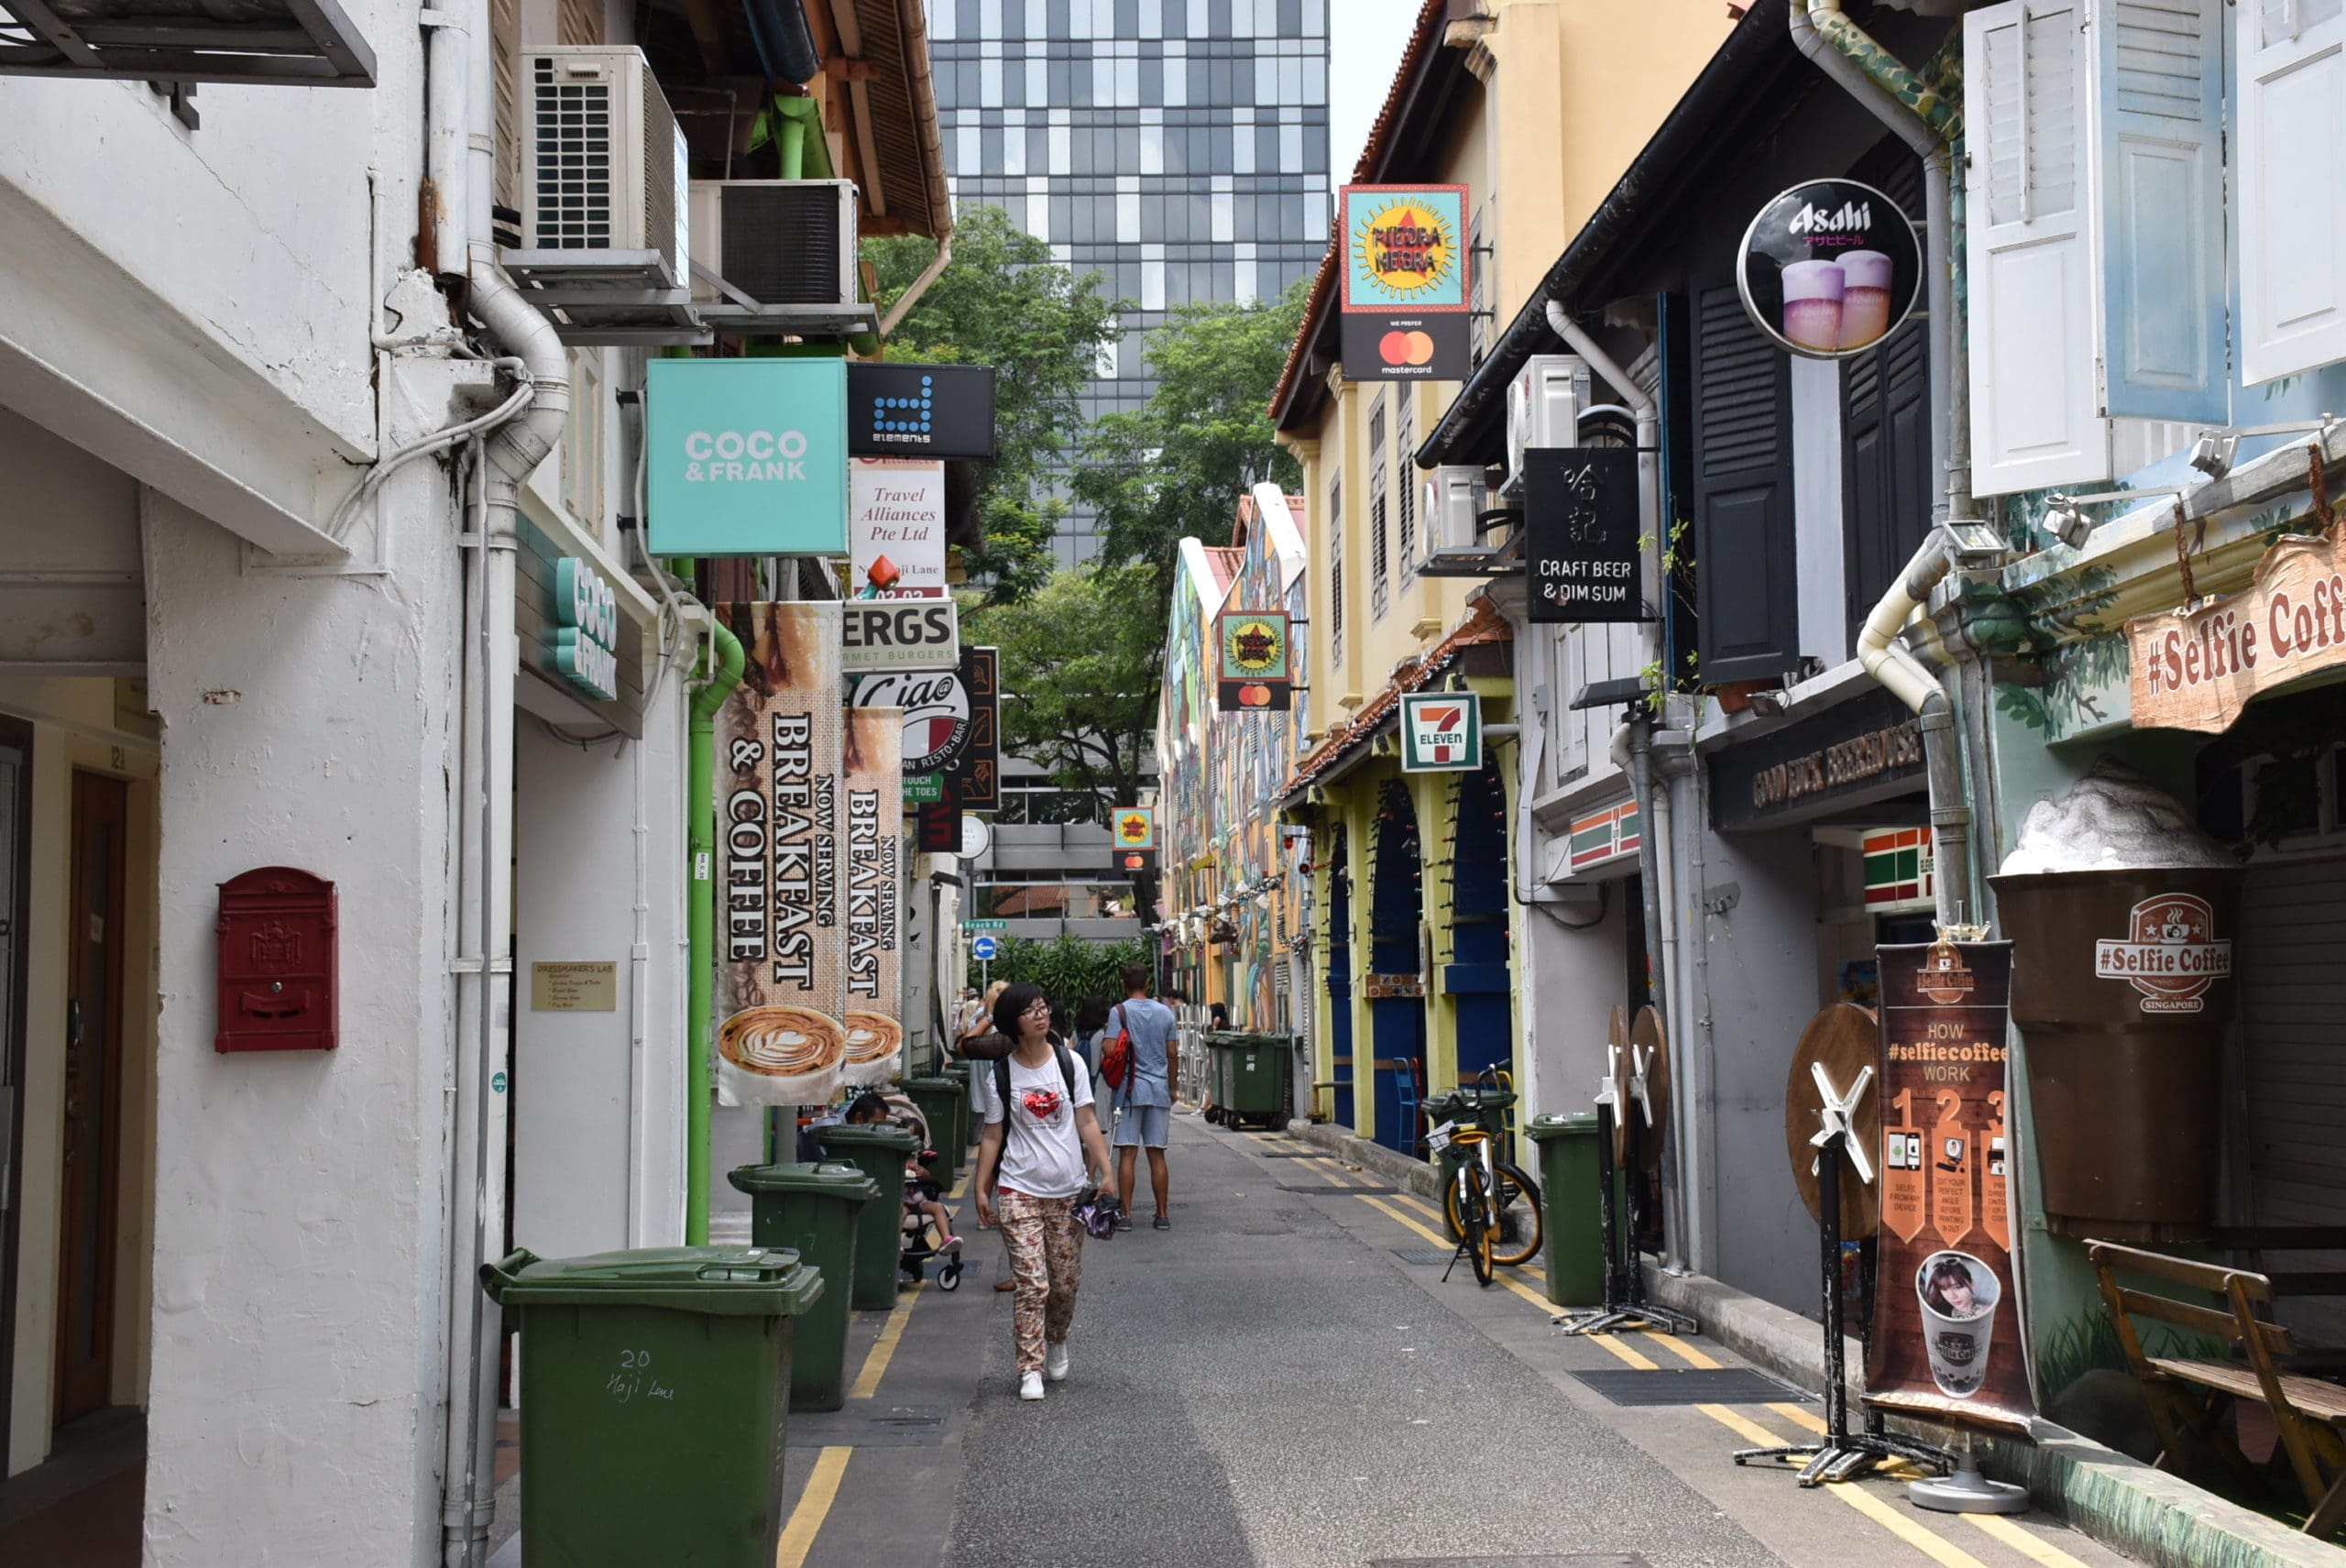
{"x": 746, "y": 456}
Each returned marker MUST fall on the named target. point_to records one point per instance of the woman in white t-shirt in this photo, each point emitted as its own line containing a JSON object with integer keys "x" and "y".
{"x": 1033, "y": 1163}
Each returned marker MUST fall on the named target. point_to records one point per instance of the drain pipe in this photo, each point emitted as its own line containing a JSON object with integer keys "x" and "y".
{"x": 1929, "y": 122}
{"x": 1655, "y": 842}
{"x": 460, "y": 102}
{"x": 700, "y": 919}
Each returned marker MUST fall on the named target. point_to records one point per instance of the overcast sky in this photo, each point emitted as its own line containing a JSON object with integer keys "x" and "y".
{"x": 1363, "y": 54}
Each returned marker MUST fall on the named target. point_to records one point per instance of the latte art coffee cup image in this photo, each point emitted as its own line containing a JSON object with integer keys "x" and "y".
{"x": 1959, "y": 1295}
{"x": 782, "y": 1042}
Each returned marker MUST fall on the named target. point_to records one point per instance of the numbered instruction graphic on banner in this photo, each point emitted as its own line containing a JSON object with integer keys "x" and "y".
{"x": 870, "y": 855}
{"x": 780, "y": 743}
{"x": 1255, "y": 676}
{"x": 1948, "y": 1333}
{"x": 1440, "y": 732}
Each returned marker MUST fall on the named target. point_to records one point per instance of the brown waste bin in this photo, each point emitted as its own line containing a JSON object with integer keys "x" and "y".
{"x": 2123, "y": 987}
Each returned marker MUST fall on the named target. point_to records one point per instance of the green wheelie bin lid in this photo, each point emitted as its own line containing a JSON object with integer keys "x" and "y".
{"x": 1548, "y": 1129}
{"x": 828, "y": 1179}
{"x": 881, "y": 1136}
{"x": 716, "y": 1281}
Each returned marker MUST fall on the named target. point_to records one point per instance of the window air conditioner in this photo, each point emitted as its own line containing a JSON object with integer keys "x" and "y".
{"x": 1543, "y": 404}
{"x": 781, "y": 242}
{"x": 1453, "y": 502}
{"x": 603, "y": 163}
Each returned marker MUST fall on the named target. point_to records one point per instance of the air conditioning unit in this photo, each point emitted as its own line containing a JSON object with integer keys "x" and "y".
{"x": 1543, "y": 404}
{"x": 603, "y": 162}
{"x": 1454, "y": 500}
{"x": 781, "y": 242}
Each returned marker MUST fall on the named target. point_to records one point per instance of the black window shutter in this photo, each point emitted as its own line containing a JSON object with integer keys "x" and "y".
{"x": 1746, "y": 572}
{"x": 1886, "y": 466}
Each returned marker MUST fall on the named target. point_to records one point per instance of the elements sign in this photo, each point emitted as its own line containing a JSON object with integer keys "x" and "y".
{"x": 748, "y": 456}
{"x": 586, "y": 646}
{"x": 920, "y": 411}
{"x": 1580, "y": 512}
{"x": 1440, "y": 732}
{"x": 1255, "y": 676}
{"x": 2198, "y": 671}
{"x": 1946, "y": 1343}
{"x": 900, "y": 634}
{"x": 1404, "y": 312}
{"x": 1830, "y": 269}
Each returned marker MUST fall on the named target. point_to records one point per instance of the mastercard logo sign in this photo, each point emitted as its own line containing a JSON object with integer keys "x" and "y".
{"x": 1406, "y": 348}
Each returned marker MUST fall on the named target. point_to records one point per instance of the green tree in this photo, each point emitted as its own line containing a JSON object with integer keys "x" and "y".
{"x": 1175, "y": 467}
{"x": 1002, "y": 300}
{"x": 1079, "y": 665}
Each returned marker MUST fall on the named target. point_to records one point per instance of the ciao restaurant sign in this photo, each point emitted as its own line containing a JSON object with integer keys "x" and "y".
{"x": 2196, "y": 669}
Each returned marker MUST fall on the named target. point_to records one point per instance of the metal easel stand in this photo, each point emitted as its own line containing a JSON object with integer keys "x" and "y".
{"x": 1625, "y": 1281}
{"x": 1841, "y": 1454}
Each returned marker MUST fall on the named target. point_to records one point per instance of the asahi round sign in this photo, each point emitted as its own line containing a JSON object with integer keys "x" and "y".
{"x": 1830, "y": 268}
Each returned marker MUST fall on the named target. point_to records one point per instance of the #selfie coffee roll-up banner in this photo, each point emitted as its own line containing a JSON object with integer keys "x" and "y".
{"x": 783, "y": 978}
{"x": 1948, "y": 1334}
{"x": 870, "y": 852}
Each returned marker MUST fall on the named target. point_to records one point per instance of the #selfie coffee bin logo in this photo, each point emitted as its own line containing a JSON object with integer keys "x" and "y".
{"x": 1829, "y": 269}
{"x": 2170, "y": 953}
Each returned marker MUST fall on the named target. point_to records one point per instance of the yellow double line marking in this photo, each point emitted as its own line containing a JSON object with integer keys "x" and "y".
{"x": 814, "y": 1505}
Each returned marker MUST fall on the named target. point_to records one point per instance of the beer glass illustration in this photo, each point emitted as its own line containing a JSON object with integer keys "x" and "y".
{"x": 1864, "y": 297}
{"x": 1813, "y": 293}
{"x": 1959, "y": 1295}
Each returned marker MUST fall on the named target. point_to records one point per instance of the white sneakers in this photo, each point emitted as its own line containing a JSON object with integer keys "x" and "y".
{"x": 1030, "y": 1385}
{"x": 1055, "y": 1362}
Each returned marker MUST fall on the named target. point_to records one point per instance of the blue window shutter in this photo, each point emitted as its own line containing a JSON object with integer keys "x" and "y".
{"x": 2159, "y": 79}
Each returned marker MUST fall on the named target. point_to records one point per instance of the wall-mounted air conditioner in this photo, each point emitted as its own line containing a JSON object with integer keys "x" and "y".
{"x": 1543, "y": 404}
{"x": 1454, "y": 501}
{"x": 780, "y": 242}
{"x": 603, "y": 163}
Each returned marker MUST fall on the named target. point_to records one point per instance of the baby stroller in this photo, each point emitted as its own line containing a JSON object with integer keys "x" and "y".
{"x": 919, "y": 1247}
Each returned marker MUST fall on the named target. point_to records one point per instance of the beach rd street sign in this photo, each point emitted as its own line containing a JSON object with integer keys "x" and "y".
{"x": 985, "y": 925}
{"x": 1440, "y": 732}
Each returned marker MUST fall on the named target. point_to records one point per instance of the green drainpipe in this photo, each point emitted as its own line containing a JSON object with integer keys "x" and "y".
{"x": 700, "y": 925}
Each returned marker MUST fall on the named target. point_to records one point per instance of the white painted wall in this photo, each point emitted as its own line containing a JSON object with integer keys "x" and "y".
{"x": 1816, "y": 508}
{"x": 299, "y": 1269}
{"x": 599, "y": 1144}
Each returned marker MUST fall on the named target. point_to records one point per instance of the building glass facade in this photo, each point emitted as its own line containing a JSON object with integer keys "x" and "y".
{"x": 1177, "y": 148}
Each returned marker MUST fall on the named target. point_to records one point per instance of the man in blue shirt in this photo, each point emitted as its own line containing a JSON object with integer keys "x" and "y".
{"x": 1144, "y": 1103}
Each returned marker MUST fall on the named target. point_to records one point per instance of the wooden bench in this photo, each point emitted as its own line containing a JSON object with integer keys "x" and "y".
{"x": 2188, "y": 1397}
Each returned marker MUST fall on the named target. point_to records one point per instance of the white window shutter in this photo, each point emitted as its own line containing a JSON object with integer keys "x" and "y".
{"x": 2159, "y": 79}
{"x": 2030, "y": 249}
{"x": 2292, "y": 171}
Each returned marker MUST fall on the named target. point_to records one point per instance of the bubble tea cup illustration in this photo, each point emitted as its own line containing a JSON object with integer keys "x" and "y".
{"x": 1812, "y": 297}
{"x": 1959, "y": 1295}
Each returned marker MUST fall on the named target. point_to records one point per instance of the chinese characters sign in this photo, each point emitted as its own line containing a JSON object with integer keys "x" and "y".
{"x": 1580, "y": 509}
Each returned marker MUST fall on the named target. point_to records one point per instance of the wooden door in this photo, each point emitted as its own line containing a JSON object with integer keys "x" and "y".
{"x": 93, "y": 1006}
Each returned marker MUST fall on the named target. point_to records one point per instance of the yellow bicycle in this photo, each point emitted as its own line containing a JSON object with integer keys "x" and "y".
{"x": 1493, "y": 1207}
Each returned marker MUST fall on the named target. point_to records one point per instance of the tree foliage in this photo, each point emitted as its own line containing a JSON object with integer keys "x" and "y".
{"x": 1002, "y": 300}
{"x": 1079, "y": 665}
{"x": 1068, "y": 968}
{"x": 1176, "y": 467}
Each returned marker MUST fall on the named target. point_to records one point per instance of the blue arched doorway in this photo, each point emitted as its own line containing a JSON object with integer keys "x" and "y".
{"x": 1477, "y": 974}
{"x": 1340, "y": 977}
{"x": 1397, "y": 1024}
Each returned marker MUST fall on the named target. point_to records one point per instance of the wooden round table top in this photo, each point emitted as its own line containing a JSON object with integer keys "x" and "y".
{"x": 1845, "y": 1039}
{"x": 1645, "y": 1032}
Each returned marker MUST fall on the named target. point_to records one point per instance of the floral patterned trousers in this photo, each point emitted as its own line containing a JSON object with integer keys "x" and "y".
{"x": 1046, "y": 1266}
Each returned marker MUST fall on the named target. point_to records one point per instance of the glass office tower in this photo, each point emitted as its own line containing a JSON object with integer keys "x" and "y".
{"x": 1177, "y": 148}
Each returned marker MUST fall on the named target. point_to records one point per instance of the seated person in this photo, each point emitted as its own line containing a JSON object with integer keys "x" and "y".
{"x": 868, "y": 1108}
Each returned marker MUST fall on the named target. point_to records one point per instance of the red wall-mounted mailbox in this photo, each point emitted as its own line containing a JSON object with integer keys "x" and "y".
{"x": 278, "y": 962}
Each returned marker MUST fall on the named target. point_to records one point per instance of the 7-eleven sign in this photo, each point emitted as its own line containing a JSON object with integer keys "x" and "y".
{"x": 1440, "y": 732}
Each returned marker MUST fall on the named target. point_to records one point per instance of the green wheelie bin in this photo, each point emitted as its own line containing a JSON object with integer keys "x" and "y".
{"x": 1253, "y": 1071}
{"x": 653, "y": 1402}
{"x": 880, "y": 1152}
{"x": 1568, "y": 1167}
{"x": 812, "y": 1210}
{"x": 944, "y": 1104}
{"x": 966, "y": 1114}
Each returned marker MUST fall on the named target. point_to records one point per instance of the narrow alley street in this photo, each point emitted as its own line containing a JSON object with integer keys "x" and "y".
{"x": 1285, "y": 1379}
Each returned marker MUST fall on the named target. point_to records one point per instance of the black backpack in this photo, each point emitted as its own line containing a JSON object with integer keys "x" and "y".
{"x": 1001, "y": 1081}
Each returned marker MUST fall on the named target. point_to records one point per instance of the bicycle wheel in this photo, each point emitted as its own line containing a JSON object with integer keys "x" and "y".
{"x": 1474, "y": 1205}
{"x": 1520, "y": 1225}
